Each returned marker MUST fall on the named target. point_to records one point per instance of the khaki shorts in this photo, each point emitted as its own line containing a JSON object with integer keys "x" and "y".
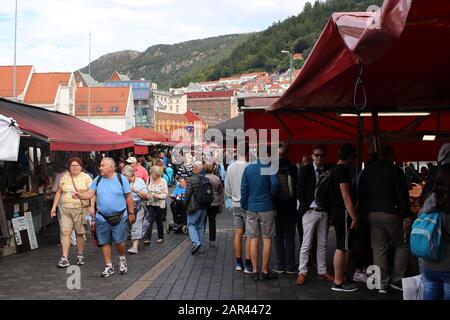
{"x": 239, "y": 218}
{"x": 73, "y": 218}
{"x": 260, "y": 224}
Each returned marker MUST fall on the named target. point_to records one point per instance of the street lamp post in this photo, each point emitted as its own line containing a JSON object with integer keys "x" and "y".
{"x": 290, "y": 63}
{"x": 15, "y": 47}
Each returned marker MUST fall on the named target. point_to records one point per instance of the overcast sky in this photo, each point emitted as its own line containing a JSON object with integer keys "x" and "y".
{"x": 53, "y": 35}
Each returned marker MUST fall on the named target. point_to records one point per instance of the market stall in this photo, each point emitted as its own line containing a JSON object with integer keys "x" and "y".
{"x": 48, "y": 138}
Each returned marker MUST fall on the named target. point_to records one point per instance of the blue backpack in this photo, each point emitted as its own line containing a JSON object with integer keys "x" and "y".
{"x": 427, "y": 239}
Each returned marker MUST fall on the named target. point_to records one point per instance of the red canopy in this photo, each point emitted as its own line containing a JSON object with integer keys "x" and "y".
{"x": 405, "y": 133}
{"x": 404, "y": 53}
{"x": 142, "y": 150}
{"x": 63, "y": 132}
{"x": 145, "y": 134}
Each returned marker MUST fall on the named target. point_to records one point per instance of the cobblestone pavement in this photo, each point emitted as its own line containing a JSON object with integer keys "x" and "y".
{"x": 211, "y": 276}
{"x": 160, "y": 271}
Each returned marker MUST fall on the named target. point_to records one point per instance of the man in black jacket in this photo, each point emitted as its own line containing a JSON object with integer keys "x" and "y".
{"x": 286, "y": 218}
{"x": 196, "y": 214}
{"x": 384, "y": 195}
{"x": 314, "y": 218}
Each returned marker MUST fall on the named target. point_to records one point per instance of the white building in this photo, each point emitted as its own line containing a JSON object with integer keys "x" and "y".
{"x": 173, "y": 101}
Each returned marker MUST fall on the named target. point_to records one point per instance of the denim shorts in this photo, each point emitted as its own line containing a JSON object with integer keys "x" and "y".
{"x": 107, "y": 234}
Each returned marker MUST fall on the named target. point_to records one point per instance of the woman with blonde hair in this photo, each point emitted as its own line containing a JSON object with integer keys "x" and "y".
{"x": 139, "y": 192}
{"x": 73, "y": 211}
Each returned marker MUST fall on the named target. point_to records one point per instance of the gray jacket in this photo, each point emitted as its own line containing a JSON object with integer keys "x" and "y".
{"x": 430, "y": 205}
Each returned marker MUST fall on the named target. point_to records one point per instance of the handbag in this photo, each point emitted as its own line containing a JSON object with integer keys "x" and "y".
{"x": 113, "y": 219}
{"x": 412, "y": 288}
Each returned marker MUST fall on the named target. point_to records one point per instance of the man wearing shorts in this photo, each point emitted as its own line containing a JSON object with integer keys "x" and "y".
{"x": 343, "y": 215}
{"x": 257, "y": 190}
{"x": 233, "y": 190}
{"x": 114, "y": 198}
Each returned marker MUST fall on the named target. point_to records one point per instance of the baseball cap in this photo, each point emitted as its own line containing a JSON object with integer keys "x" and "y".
{"x": 131, "y": 160}
{"x": 444, "y": 154}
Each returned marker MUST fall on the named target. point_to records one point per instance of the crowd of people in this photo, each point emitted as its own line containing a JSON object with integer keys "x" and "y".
{"x": 369, "y": 211}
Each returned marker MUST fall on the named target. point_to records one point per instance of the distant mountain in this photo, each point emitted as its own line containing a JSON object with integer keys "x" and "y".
{"x": 166, "y": 64}
{"x": 209, "y": 59}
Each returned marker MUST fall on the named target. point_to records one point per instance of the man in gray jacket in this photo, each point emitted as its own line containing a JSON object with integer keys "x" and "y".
{"x": 196, "y": 215}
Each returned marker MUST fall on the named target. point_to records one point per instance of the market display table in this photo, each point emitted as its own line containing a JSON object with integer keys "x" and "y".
{"x": 39, "y": 205}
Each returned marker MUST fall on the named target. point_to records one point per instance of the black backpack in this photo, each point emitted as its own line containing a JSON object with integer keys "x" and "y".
{"x": 322, "y": 193}
{"x": 204, "y": 195}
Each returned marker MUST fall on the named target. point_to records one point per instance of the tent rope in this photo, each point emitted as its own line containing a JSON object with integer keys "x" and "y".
{"x": 360, "y": 84}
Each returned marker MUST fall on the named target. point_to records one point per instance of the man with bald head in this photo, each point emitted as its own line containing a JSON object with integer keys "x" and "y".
{"x": 196, "y": 214}
{"x": 114, "y": 209}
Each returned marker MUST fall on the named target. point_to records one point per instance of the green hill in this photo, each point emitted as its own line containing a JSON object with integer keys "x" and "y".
{"x": 298, "y": 34}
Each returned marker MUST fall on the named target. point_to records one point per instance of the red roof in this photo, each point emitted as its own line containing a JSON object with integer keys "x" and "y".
{"x": 144, "y": 134}
{"x": 109, "y": 101}
{"x": 210, "y": 94}
{"x": 62, "y": 131}
{"x": 192, "y": 117}
{"x": 115, "y": 76}
{"x": 44, "y": 86}
{"x": 395, "y": 72}
{"x": 189, "y": 116}
{"x": 6, "y": 79}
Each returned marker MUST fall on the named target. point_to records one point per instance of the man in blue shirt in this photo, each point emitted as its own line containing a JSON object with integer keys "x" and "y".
{"x": 257, "y": 190}
{"x": 114, "y": 209}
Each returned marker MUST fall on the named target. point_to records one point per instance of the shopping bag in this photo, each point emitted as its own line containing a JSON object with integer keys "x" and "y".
{"x": 412, "y": 288}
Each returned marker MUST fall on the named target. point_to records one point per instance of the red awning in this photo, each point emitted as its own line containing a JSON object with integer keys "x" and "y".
{"x": 405, "y": 133}
{"x": 63, "y": 132}
{"x": 404, "y": 54}
{"x": 145, "y": 134}
{"x": 140, "y": 149}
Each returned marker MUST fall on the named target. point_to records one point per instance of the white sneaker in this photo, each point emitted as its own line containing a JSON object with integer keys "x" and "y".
{"x": 133, "y": 250}
{"x": 109, "y": 271}
{"x": 123, "y": 267}
{"x": 360, "y": 277}
{"x": 63, "y": 262}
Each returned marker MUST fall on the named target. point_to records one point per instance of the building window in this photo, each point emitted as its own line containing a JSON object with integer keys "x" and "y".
{"x": 81, "y": 107}
{"x": 218, "y": 110}
{"x": 171, "y": 108}
{"x": 114, "y": 109}
{"x": 98, "y": 108}
{"x": 178, "y": 110}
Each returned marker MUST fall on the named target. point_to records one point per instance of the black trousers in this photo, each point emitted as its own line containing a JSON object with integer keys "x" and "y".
{"x": 211, "y": 219}
{"x": 285, "y": 222}
{"x": 156, "y": 213}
